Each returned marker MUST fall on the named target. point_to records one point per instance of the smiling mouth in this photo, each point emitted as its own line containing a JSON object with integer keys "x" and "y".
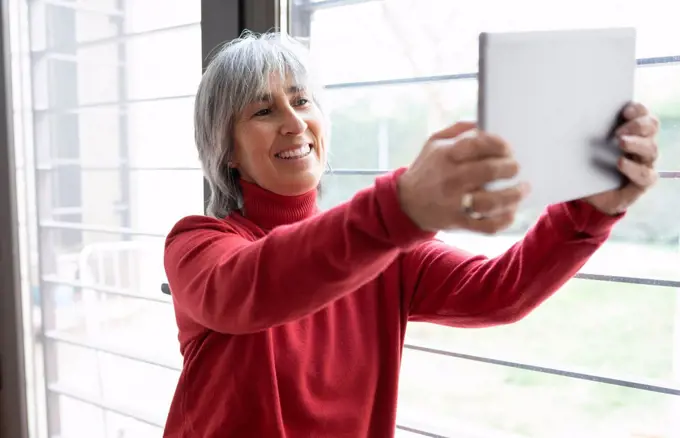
{"x": 295, "y": 154}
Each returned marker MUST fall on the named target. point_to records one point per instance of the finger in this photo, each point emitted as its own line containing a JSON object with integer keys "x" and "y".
{"x": 635, "y": 109}
{"x": 491, "y": 203}
{"x": 476, "y": 174}
{"x": 642, "y": 149}
{"x": 644, "y": 126}
{"x": 639, "y": 174}
{"x": 454, "y": 130}
{"x": 492, "y": 224}
{"x": 479, "y": 147}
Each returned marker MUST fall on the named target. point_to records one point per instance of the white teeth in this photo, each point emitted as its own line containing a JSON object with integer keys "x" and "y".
{"x": 300, "y": 152}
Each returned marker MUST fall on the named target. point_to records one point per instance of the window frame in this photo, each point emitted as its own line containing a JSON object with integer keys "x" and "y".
{"x": 221, "y": 20}
{"x": 13, "y": 391}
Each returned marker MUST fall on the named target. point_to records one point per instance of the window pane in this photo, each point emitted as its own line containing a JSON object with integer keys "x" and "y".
{"x": 107, "y": 151}
{"x": 462, "y": 398}
{"x": 340, "y": 188}
{"x": 156, "y": 125}
{"x": 596, "y": 326}
{"x": 144, "y": 16}
{"x": 599, "y": 327}
{"x": 431, "y": 37}
{"x": 385, "y": 126}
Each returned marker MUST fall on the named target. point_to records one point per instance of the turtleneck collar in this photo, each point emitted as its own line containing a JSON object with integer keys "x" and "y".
{"x": 268, "y": 210}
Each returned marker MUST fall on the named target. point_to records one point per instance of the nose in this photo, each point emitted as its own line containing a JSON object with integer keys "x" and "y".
{"x": 293, "y": 124}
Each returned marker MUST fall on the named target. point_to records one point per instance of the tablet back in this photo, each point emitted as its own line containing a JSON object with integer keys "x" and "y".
{"x": 556, "y": 97}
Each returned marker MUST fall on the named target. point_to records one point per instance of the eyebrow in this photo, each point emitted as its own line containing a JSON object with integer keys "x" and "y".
{"x": 293, "y": 89}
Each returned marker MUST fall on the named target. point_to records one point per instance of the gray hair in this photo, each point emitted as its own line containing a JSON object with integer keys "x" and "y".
{"x": 235, "y": 77}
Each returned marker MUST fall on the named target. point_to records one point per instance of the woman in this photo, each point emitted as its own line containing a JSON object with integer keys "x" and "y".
{"x": 291, "y": 321}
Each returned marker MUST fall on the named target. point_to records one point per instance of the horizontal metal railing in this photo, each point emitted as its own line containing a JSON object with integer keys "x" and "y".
{"x": 47, "y": 167}
{"x": 102, "y": 347}
{"x": 108, "y": 290}
{"x": 109, "y": 104}
{"x": 415, "y": 431}
{"x": 327, "y": 4}
{"x": 641, "y": 62}
{"x": 57, "y": 164}
{"x": 663, "y": 174}
{"x": 116, "y": 408}
{"x": 633, "y": 383}
{"x": 629, "y": 280}
{"x": 80, "y": 6}
{"x": 115, "y": 39}
{"x": 57, "y": 225}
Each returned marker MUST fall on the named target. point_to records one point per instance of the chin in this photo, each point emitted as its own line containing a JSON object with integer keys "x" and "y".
{"x": 294, "y": 185}
{"x": 302, "y": 185}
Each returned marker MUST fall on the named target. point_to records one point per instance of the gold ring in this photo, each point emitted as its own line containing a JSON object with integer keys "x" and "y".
{"x": 466, "y": 204}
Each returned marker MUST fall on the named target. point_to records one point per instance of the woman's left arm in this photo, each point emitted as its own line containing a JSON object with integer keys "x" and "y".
{"x": 448, "y": 286}
{"x": 445, "y": 285}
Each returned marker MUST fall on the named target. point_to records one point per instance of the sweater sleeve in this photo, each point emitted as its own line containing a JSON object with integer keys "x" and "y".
{"x": 448, "y": 286}
{"x": 233, "y": 284}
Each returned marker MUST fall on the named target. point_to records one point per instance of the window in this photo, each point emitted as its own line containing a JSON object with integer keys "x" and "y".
{"x": 103, "y": 94}
{"x": 105, "y": 165}
{"x": 602, "y": 357}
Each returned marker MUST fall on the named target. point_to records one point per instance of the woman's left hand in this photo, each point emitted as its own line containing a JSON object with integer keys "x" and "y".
{"x": 637, "y": 138}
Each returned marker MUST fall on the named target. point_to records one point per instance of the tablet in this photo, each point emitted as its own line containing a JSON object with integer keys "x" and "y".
{"x": 556, "y": 97}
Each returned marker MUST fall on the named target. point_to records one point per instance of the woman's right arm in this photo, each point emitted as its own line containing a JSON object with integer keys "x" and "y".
{"x": 230, "y": 284}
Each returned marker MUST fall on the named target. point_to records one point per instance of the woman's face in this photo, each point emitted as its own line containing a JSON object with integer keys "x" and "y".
{"x": 279, "y": 140}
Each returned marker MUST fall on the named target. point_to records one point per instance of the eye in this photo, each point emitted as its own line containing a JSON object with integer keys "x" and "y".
{"x": 262, "y": 112}
{"x": 301, "y": 101}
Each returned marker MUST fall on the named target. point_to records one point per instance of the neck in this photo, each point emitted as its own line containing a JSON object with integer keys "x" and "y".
{"x": 268, "y": 210}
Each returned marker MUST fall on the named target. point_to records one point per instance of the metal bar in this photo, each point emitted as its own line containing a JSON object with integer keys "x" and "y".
{"x": 117, "y": 39}
{"x": 124, "y": 411}
{"x": 109, "y": 290}
{"x": 66, "y": 211}
{"x": 45, "y": 194}
{"x": 65, "y": 57}
{"x": 419, "y": 432}
{"x": 642, "y": 62}
{"x": 46, "y": 167}
{"x": 327, "y": 4}
{"x": 13, "y": 388}
{"x": 628, "y": 280}
{"x": 96, "y": 346}
{"x": 563, "y": 372}
{"x": 109, "y": 104}
{"x": 663, "y": 174}
{"x": 658, "y": 60}
{"x": 123, "y": 129}
{"x": 349, "y": 172}
{"x": 112, "y": 167}
{"x": 402, "y": 81}
{"x": 83, "y": 7}
{"x": 56, "y": 225}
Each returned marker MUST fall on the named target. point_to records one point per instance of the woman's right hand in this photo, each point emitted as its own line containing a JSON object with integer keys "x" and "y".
{"x": 443, "y": 189}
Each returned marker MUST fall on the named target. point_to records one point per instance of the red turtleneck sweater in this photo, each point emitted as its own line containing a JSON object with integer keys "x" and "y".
{"x": 291, "y": 322}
